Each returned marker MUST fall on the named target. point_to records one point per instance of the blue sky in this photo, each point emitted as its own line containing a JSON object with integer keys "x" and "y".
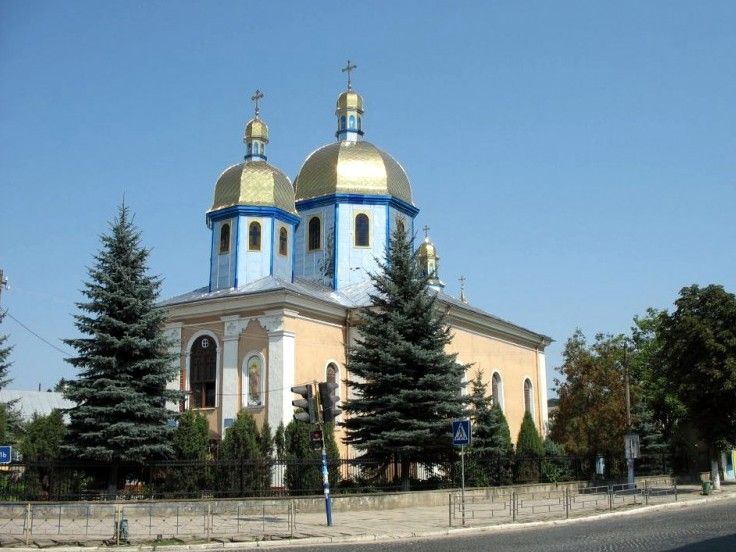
{"x": 574, "y": 160}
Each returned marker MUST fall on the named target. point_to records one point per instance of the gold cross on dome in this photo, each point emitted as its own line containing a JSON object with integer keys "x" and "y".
{"x": 462, "y": 289}
{"x": 426, "y": 231}
{"x": 256, "y": 97}
{"x": 348, "y": 69}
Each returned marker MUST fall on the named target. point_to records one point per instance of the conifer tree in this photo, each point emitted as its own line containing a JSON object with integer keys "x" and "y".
{"x": 120, "y": 394}
{"x": 406, "y": 388}
{"x": 490, "y": 455}
{"x": 529, "y": 452}
{"x": 9, "y": 416}
{"x": 304, "y": 463}
{"x": 240, "y": 457}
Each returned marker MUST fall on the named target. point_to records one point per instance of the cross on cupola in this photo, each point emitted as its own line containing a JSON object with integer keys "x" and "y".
{"x": 256, "y": 98}
{"x": 349, "y": 68}
{"x": 426, "y": 231}
{"x": 256, "y": 132}
{"x": 462, "y": 289}
{"x": 349, "y": 110}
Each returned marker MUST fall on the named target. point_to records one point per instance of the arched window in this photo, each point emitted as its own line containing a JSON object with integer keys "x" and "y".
{"x": 497, "y": 389}
{"x": 254, "y": 380}
{"x": 224, "y": 239}
{"x": 351, "y": 123}
{"x": 250, "y": 148}
{"x": 203, "y": 372}
{"x": 315, "y": 234}
{"x": 283, "y": 241}
{"x": 400, "y": 226}
{"x": 362, "y": 230}
{"x": 254, "y": 236}
{"x": 360, "y": 123}
{"x": 528, "y": 397}
{"x": 342, "y": 122}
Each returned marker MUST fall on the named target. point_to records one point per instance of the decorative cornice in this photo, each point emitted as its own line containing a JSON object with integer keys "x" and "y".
{"x": 234, "y": 326}
{"x": 253, "y": 211}
{"x": 358, "y": 199}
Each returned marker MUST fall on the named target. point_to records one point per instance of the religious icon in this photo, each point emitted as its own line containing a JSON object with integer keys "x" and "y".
{"x": 254, "y": 382}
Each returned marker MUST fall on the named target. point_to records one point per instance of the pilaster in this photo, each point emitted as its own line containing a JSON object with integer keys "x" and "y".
{"x": 281, "y": 360}
{"x": 542, "y": 379}
{"x": 229, "y": 391}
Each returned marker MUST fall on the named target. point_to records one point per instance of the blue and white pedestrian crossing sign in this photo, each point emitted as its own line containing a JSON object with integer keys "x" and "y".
{"x": 461, "y": 432}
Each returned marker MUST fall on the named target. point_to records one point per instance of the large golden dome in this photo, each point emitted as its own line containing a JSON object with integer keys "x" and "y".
{"x": 348, "y": 167}
{"x": 254, "y": 183}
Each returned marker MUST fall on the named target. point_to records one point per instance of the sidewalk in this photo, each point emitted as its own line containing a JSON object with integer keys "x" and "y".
{"x": 391, "y": 524}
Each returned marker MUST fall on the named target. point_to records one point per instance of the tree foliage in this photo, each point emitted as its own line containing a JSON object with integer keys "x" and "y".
{"x": 243, "y": 469}
{"x": 591, "y": 415}
{"x": 405, "y": 386}
{"x": 122, "y": 358}
{"x": 191, "y": 440}
{"x": 529, "y": 452}
{"x": 42, "y": 438}
{"x": 490, "y": 456}
{"x": 10, "y": 420}
{"x": 303, "y": 463}
{"x": 698, "y": 356}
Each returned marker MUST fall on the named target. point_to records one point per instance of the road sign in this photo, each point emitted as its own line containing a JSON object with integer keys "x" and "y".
{"x": 461, "y": 432}
{"x": 6, "y": 454}
{"x": 631, "y": 444}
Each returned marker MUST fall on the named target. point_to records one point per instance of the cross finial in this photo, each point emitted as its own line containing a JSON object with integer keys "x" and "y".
{"x": 348, "y": 69}
{"x": 426, "y": 231}
{"x": 256, "y": 97}
{"x": 462, "y": 289}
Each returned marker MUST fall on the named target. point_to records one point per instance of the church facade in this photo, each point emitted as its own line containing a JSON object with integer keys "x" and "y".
{"x": 288, "y": 275}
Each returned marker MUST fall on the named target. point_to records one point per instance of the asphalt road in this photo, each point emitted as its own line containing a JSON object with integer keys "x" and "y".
{"x": 704, "y": 527}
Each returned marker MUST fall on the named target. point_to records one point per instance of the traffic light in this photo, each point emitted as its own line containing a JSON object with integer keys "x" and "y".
{"x": 306, "y": 403}
{"x": 328, "y": 398}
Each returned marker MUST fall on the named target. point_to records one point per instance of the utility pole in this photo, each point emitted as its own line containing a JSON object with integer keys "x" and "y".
{"x": 631, "y": 441}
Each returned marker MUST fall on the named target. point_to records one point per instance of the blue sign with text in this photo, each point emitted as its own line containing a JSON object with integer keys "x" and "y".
{"x": 6, "y": 454}
{"x": 461, "y": 432}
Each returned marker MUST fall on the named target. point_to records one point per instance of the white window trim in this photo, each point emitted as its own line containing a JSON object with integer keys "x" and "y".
{"x": 501, "y": 400}
{"x": 532, "y": 409}
{"x": 218, "y": 378}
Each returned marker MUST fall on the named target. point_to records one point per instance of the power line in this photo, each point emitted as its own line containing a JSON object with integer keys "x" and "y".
{"x": 29, "y": 330}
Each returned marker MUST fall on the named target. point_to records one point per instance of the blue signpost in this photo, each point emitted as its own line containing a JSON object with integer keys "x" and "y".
{"x": 6, "y": 454}
{"x": 461, "y": 436}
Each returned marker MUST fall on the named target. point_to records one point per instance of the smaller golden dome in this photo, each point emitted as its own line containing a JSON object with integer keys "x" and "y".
{"x": 427, "y": 250}
{"x": 256, "y": 129}
{"x": 349, "y": 100}
{"x": 254, "y": 183}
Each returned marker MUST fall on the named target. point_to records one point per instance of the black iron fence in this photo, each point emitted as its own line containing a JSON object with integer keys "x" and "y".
{"x": 218, "y": 479}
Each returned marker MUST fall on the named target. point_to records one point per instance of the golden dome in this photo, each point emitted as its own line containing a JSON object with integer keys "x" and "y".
{"x": 427, "y": 250}
{"x": 256, "y": 130}
{"x": 352, "y": 168}
{"x": 349, "y": 99}
{"x": 254, "y": 183}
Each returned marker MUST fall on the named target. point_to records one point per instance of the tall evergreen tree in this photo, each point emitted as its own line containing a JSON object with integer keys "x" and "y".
{"x": 406, "y": 388}
{"x": 120, "y": 414}
{"x": 303, "y": 463}
{"x": 9, "y": 416}
{"x": 529, "y": 452}
{"x": 242, "y": 463}
{"x": 490, "y": 455}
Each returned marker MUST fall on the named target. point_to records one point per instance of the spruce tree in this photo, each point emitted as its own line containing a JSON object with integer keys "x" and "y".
{"x": 241, "y": 461}
{"x": 529, "y": 452}
{"x": 10, "y": 420}
{"x": 406, "y": 388}
{"x": 120, "y": 393}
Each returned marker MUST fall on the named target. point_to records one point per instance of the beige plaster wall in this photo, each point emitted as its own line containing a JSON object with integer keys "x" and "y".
{"x": 317, "y": 344}
{"x": 513, "y": 362}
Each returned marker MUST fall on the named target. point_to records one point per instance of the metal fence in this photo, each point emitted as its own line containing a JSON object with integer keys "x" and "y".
{"x": 151, "y": 521}
{"x": 518, "y": 505}
{"x": 217, "y": 479}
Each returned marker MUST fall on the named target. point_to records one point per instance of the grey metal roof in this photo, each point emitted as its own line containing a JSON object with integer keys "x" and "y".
{"x": 351, "y": 296}
{"x": 34, "y": 402}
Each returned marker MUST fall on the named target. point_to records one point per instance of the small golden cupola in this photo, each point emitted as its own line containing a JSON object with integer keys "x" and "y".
{"x": 429, "y": 261}
{"x": 349, "y": 111}
{"x": 256, "y": 133}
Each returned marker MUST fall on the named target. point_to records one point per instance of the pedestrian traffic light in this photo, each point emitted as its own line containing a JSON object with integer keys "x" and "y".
{"x": 328, "y": 398}
{"x": 306, "y": 404}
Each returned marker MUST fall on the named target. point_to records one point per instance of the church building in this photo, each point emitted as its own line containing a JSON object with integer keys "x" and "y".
{"x": 289, "y": 272}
